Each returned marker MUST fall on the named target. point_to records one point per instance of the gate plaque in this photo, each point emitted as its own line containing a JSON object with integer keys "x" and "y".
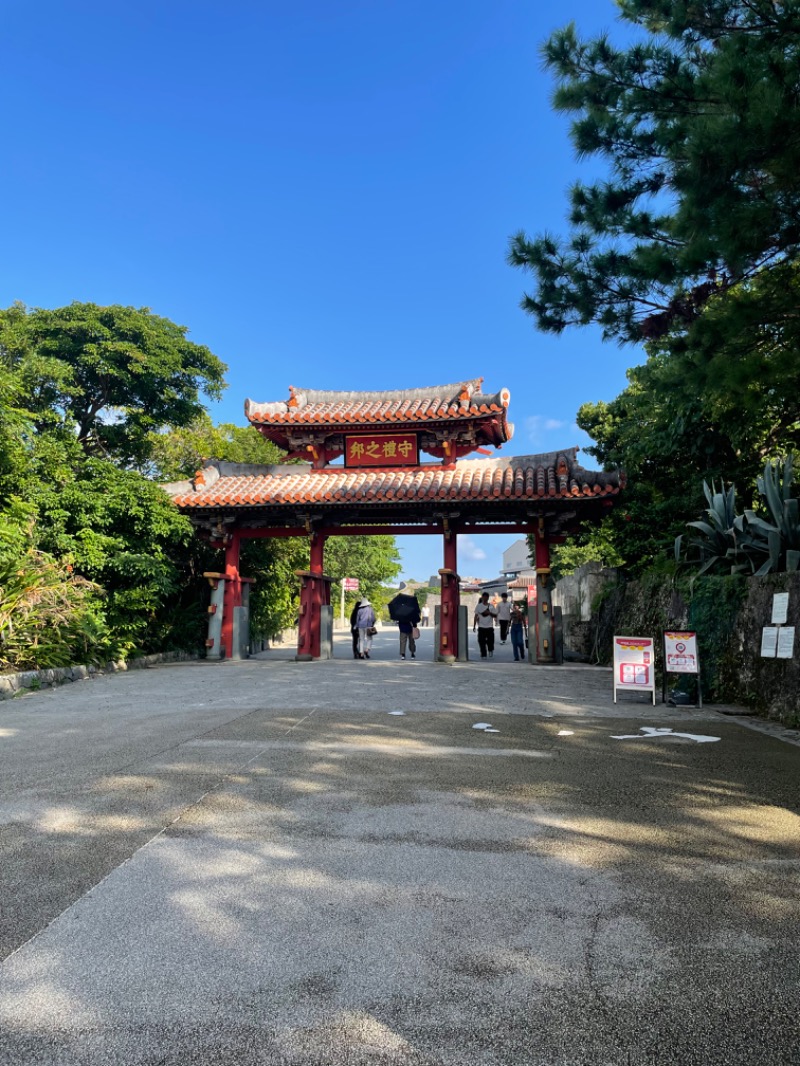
{"x": 381, "y": 449}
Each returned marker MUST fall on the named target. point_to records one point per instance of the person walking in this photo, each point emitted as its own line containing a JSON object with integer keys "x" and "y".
{"x": 483, "y": 621}
{"x": 426, "y": 614}
{"x": 366, "y": 628}
{"x": 407, "y": 628}
{"x": 354, "y": 627}
{"x": 519, "y": 630}
{"x": 503, "y": 616}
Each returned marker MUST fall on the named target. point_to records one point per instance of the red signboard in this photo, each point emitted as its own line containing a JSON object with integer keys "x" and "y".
{"x": 381, "y": 449}
{"x": 350, "y": 583}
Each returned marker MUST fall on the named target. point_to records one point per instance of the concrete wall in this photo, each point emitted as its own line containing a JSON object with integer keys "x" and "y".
{"x": 577, "y": 595}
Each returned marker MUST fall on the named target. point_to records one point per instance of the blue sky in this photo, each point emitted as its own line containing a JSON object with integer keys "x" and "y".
{"x": 322, "y": 191}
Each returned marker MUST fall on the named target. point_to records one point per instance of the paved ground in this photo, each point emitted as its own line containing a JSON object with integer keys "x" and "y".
{"x": 262, "y": 863}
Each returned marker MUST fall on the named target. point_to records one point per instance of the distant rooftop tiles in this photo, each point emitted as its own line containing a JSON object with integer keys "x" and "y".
{"x": 555, "y": 475}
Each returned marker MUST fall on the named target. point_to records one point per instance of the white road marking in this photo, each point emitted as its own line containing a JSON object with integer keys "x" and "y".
{"x": 653, "y": 733}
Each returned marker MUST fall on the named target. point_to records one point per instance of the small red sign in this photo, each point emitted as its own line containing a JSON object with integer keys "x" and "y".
{"x": 381, "y": 449}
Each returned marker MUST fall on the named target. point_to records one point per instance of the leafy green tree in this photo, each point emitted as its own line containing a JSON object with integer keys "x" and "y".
{"x": 111, "y": 374}
{"x": 14, "y": 429}
{"x": 688, "y": 244}
{"x": 375, "y": 561}
{"x": 178, "y": 453}
{"x": 118, "y": 530}
{"x": 697, "y": 123}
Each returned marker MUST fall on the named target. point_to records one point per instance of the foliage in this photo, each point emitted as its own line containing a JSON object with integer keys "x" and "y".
{"x": 716, "y": 545}
{"x": 120, "y": 531}
{"x": 596, "y": 545}
{"x": 748, "y": 543}
{"x": 178, "y": 453}
{"x": 110, "y": 374}
{"x": 696, "y": 121}
{"x": 374, "y": 561}
{"x": 688, "y": 244}
{"x": 783, "y": 535}
{"x": 49, "y": 616}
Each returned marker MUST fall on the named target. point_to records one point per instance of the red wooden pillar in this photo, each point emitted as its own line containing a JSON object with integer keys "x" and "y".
{"x": 315, "y": 592}
{"x": 233, "y": 591}
{"x": 451, "y": 599}
{"x": 545, "y": 630}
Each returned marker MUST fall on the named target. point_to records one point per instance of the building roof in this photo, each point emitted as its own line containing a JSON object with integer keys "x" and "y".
{"x": 493, "y": 485}
{"x": 522, "y": 581}
{"x": 459, "y": 402}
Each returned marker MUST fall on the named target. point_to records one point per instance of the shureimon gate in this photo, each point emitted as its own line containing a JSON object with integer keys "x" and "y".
{"x": 384, "y": 486}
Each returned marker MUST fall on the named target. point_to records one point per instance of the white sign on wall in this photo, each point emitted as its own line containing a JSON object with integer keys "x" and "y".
{"x": 780, "y": 608}
{"x": 786, "y": 642}
{"x": 769, "y": 642}
{"x": 634, "y": 665}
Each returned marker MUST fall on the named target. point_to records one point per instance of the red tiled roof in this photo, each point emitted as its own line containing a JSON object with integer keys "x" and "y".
{"x": 522, "y": 581}
{"x": 555, "y": 475}
{"x": 437, "y": 403}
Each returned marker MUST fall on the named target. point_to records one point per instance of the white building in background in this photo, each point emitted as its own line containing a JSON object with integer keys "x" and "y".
{"x": 516, "y": 560}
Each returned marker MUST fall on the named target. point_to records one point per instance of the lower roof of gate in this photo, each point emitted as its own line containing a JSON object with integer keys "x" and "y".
{"x": 508, "y": 485}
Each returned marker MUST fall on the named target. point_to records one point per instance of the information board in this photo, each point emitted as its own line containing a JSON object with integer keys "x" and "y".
{"x": 780, "y": 608}
{"x": 680, "y": 653}
{"x": 634, "y": 665}
{"x": 769, "y": 642}
{"x": 786, "y": 642}
{"x": 350, "y": 583}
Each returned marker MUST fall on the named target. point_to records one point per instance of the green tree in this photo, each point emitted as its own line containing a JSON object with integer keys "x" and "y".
{"x": 697, "y": 123}
{"x": 111, "y": 375}
{"x": 120, "y": 531}
{"x": 178, "y": 453}
{"x": 374, "y": 561}
{"x": 688, "y": 244}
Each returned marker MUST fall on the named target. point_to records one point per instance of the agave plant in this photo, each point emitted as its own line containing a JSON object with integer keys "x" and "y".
{"x": 780, "y": 539}
{"x": 716, "y": 547}
{"x": 748, "y": 542}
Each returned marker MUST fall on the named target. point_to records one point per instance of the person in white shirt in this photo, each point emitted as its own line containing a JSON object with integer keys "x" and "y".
{"x": 503, "y": 616}
{"x": 483, "y": 621}
{"x": 426, "y": 613}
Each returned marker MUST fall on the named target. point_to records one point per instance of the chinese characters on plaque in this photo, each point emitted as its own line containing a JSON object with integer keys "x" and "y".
{"x": 381, "y": 449}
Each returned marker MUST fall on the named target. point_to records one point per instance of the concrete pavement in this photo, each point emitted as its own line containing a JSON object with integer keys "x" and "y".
{"x": 263, "y": 862}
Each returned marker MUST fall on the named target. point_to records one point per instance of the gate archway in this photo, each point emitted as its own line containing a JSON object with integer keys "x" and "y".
{"x": 383, "y": 487}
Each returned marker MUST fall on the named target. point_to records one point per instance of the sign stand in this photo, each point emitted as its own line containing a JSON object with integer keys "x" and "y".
{"x": 634, "y": 665}
{"x": 681, "y": 656}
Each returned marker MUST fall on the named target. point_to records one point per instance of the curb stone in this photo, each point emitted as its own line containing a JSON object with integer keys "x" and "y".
{"x": 31, "y": 680}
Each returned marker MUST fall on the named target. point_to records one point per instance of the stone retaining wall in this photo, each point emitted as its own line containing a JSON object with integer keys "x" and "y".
{"x": 31, "y": 680}
{"x": 728, "y": 614}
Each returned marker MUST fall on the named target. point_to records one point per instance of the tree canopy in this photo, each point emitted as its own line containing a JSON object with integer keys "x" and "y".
{"x": 688, "y": 245}
{"x": 110, "y": 374}
{"x": 697, "y": 123}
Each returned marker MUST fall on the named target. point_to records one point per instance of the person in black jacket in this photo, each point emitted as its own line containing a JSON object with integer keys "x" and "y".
{"x": 354, "y": 628}
{"x": 407, "y": 627}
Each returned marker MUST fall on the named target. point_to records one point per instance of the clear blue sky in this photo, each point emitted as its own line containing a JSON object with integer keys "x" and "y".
{"x": 322, "y": 191}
